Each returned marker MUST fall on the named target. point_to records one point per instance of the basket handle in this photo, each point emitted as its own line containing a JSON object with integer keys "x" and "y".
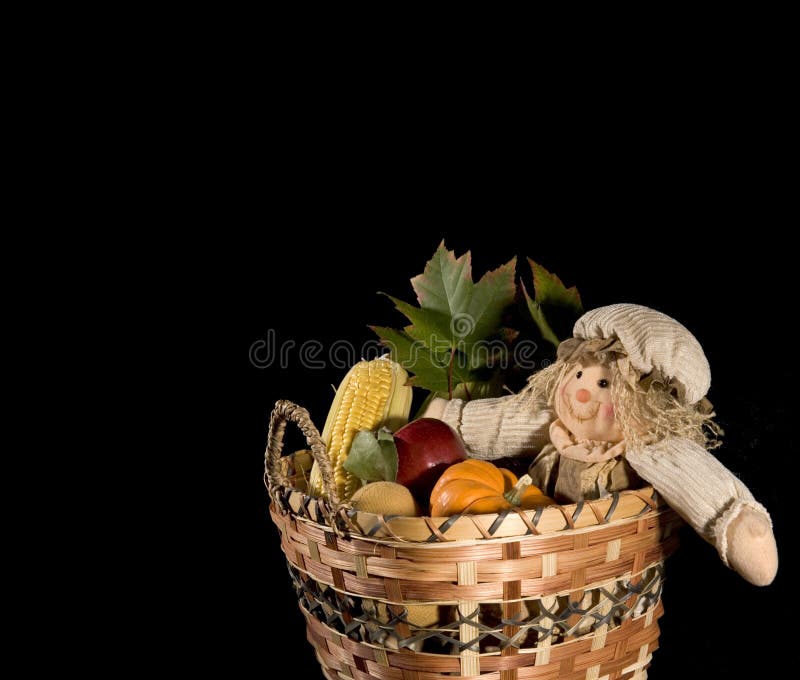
{"x": 287, "y": 411}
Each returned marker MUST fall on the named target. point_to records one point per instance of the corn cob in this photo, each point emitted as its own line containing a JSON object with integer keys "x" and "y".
{"x": 372, "y": 395}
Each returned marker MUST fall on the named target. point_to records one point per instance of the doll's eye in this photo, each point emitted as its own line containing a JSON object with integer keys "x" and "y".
{"x": 579, "y": 374}
{"x": 602, "y": 382}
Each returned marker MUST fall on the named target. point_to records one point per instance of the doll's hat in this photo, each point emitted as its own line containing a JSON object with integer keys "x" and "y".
{"x": 653, "y": 341}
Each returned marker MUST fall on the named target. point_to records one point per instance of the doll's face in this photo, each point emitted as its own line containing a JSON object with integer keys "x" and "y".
{"x": 583, "y": 403}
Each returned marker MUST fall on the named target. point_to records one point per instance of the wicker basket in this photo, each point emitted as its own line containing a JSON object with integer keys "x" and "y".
{"x": 569, "y": 592}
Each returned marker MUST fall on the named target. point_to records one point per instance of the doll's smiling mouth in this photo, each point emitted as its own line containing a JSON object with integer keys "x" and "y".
{"x": 581, "y": 416}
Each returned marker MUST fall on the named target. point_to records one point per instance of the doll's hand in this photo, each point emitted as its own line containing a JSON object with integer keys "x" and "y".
{"x": 576, "y": 451}
{"x": 435, "y": 408}
{"x": 751, "y": 547}
{"x": 587, "y": 452}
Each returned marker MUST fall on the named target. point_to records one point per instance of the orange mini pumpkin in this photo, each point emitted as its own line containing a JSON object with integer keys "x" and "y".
{"x": 476, "y": 486}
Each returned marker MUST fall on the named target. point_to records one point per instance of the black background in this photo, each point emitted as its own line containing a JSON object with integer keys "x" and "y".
{"x": 703, "y": 247}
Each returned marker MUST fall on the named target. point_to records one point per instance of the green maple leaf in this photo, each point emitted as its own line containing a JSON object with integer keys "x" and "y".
{"x": 446, "y": 283}
{"x": 430, "y": 371}
{"x": 429, "y": 327}
{"x": 472, "y": 311}
{"x": 454, "y": 316}
{"x": 552, "y": 300}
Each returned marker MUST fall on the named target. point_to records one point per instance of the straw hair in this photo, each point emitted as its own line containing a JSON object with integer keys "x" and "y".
{"x": 570, "y": 592}
{"x": 647, "y": 410}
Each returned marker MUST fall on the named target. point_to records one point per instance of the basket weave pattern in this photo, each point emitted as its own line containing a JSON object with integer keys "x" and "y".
{"x": 570, "y": 592}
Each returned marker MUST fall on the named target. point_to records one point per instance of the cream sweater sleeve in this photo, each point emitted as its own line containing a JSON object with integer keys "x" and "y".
{"x": 697, "y": 486}
{"x": 500, "y": 427}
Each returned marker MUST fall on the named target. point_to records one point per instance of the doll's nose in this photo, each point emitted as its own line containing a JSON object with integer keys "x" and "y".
{"x": 583, "y": 396}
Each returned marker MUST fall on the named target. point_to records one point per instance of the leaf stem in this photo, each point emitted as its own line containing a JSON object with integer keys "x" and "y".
{"x": 450, "y": 372}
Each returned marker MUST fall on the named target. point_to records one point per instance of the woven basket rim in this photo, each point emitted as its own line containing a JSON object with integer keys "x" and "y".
{"x": 625, "y": 505}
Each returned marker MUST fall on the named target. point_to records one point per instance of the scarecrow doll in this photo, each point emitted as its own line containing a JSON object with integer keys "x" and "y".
{"x": 624, "y": 405}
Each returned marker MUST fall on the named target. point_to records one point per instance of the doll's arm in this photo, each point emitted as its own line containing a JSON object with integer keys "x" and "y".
{"x": 714, "y": 502}
{"x": 496, "y": 428}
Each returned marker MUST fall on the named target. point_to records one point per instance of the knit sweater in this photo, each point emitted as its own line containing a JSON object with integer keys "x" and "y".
{"x": 693, "y": 482}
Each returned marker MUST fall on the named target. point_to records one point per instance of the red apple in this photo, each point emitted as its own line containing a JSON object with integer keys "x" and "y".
{"x": 425, "y": 449}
